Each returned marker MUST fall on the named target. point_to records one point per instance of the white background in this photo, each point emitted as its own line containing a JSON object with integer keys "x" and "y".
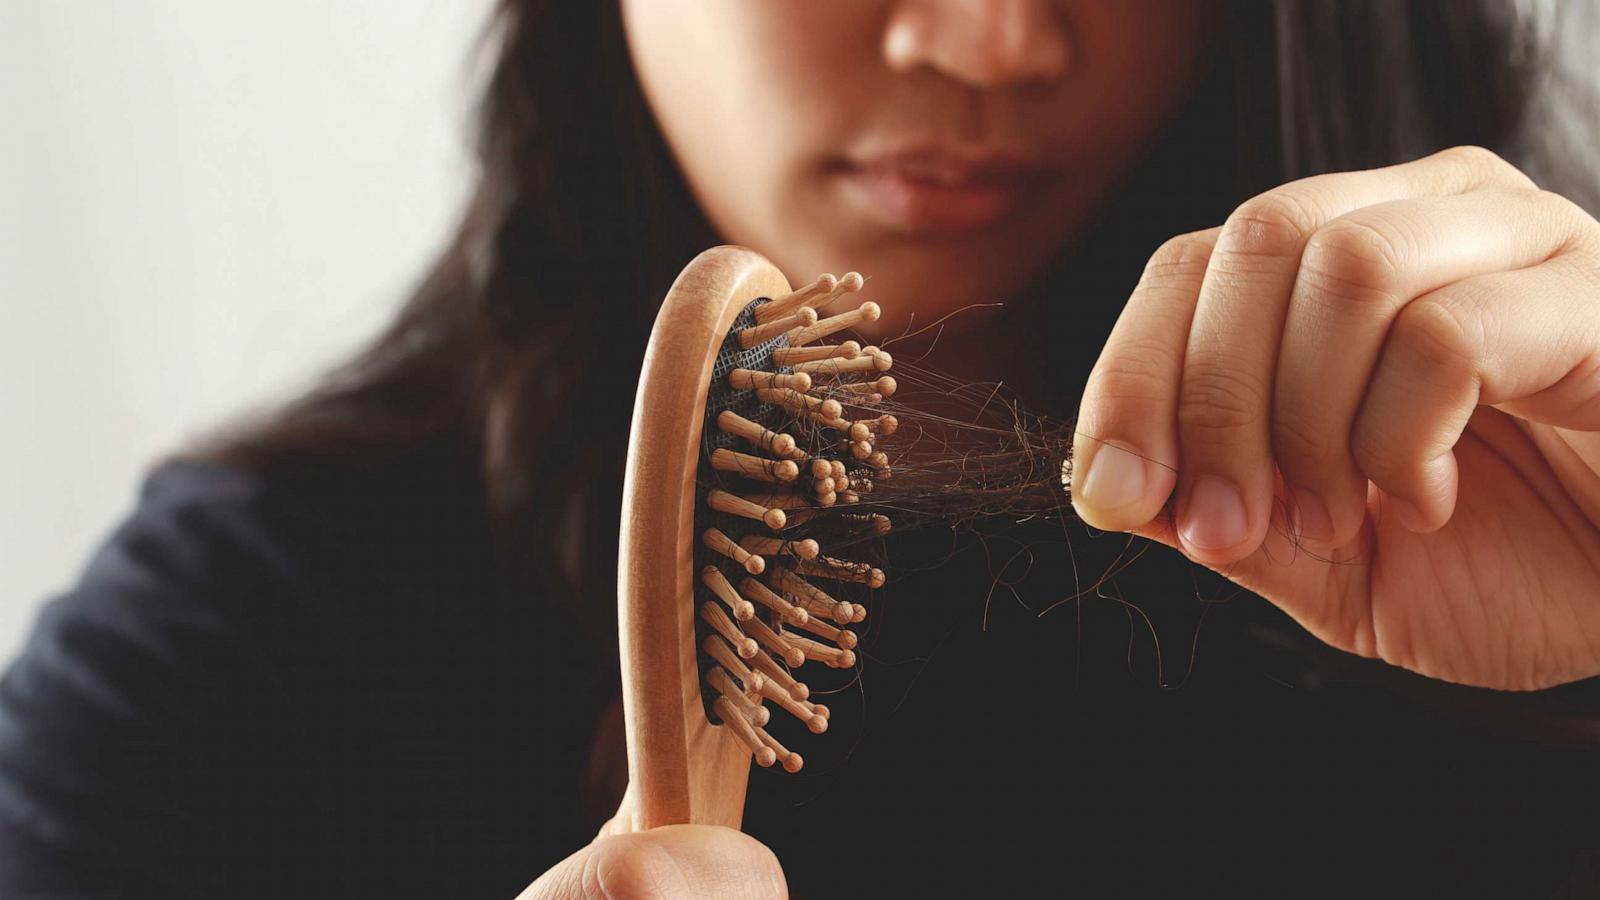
{"x": 201, "y": 203}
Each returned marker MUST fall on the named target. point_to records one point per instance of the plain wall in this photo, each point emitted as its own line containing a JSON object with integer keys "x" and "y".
{"x": 201, "y": 204}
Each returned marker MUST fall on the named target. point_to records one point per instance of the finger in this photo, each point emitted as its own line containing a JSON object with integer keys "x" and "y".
{"x": 1356, "y": 274}
{"x": 687, "y": 861}
{"x": 1125, "y": 451}
{"x": 1527, "y": 341}
{"x": 1226, "y": 473}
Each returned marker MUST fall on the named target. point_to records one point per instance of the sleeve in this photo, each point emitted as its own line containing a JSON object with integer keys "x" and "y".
{"x": 145, "y": 747}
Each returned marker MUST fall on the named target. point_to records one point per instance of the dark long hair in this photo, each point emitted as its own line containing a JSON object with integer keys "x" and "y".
{"x": 515, "y": 357}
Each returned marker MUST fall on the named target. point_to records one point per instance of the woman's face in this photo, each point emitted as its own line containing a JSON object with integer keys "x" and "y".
{"x": 947, "y": 149}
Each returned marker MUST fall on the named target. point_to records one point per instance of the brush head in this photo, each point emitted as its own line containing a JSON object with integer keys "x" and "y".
{"x": 737, "y": 484}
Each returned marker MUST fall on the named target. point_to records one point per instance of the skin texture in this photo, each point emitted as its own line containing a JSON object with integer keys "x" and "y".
{"x": 1370, "y": 397}
{"x": 699, "y": 861}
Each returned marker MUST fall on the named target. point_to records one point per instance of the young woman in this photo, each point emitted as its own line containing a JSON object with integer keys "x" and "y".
{"x": 1284, "y": 262}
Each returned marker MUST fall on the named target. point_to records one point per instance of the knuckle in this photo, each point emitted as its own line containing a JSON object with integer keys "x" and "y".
{"x": 1219, "y": 400}
{"x": 1135, "y": 377}
{"x": 1579, "y": 225}
{"x": 1182, "y": 258}
{"x": 1561, "y": 206}
{"x": 1486, "y": 163}
{"x": 1377, "y": 454}
{"x": 1354, "y": 260}
{"x": 1276, "y": 223}
{"x": 1304, "y": 442}
{"x": 1436, "y": 337}
{"x": 632, "y": 870}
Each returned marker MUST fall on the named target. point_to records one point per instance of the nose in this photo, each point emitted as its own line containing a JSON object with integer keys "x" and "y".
{"x": 985, "y": 43}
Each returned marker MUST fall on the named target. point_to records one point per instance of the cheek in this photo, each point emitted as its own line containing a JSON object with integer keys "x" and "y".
{"x": 746, "y": 94}
{"x": 1136, "y": 61}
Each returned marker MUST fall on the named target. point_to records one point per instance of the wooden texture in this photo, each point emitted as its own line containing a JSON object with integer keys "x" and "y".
{"x": 681, "y": 768}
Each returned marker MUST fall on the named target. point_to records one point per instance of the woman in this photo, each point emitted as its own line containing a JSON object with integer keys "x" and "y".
{"x": 362, "y": 647}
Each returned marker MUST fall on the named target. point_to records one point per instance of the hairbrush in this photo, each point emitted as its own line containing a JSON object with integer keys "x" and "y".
{"x": 753, "y": 437}
{"x": 754, "y": 500}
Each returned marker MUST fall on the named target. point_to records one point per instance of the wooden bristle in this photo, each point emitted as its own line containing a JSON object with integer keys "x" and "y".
{"x": 743, "y": 610}
{"x": 815, "y": 331}
{"x": 846, "y": 639}
{"x": 800, "y": 709}
{"x": 788, "y": 356}
{"x": 824, "y": 494}
{"x": 718, "y": 542}
{"x": 792, "y": 761}
{"x": 804, "y": 317}
{"x": 806, "y": 549}
{"x": 861, "y": 449}
{"x": 882, "y": 426}
{"x": 750, "y": 379}
{"x": 746, "y": 733}
{"x": 884, "y": 359}
{"x": 834, "y": 657}
{"x": 849, "y": 283}
{"x": 782, "y": 306}
{"x": 841, "y": 570}
{"x": 724, "y": 502}
{"x": 835, "y": 368}
{"x": 718, "y": 650}
{"x": 778, "y": 644}
{"x": 779, "y": 676}
{"x": 812, "y": 598}
{"x": 794, "y": 401}
{"x": 764, "y": 595}
{"x": 722, "y": 684}
{"x": 829, "y": 421}
{"x": 754, "y": 467}
{"x": 729, "y": 422}
{"x": 718, "y": 619}
{"x": 858, "y": 613}
{"x": 838, "y": 468}
{"x": 883, "y": 387}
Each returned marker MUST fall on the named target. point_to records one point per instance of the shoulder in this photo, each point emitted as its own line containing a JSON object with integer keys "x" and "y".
{"x": 199, "y": 667}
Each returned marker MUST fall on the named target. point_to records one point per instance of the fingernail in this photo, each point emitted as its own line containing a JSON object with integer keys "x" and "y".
{"x": 1116, "y": 478}
{"x": 1214, "y": 517}
{"x": 1310, "y": 515}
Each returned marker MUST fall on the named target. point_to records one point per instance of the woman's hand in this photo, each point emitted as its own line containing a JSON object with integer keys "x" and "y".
{"x": 676, "y": 861}
{"x": 1371, "y": 397}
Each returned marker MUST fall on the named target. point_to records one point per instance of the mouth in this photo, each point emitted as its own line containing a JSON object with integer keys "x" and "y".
{"x": 943, "y": 191}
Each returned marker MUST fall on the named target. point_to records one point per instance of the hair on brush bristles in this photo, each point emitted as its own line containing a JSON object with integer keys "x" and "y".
{"x": 778, "y": 450}
{"x": 796, "y": 483}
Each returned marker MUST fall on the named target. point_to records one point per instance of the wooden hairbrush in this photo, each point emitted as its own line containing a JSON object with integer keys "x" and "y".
{"x": 750, "y": 435}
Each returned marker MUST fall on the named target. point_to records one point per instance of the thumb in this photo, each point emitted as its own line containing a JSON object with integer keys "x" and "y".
{"x": 674, "y": 861}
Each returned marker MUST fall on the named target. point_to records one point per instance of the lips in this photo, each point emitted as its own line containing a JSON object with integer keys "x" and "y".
{"x": 933, "y": 191}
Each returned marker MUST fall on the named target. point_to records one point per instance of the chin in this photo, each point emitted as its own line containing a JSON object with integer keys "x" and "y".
{"x": 918, "y": 281}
